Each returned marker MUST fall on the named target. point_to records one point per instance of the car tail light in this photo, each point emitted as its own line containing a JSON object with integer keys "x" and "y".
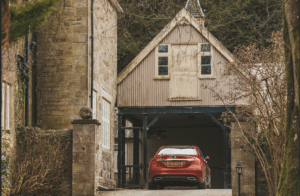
{"x": 153, "y": 165}
{"x": 159, "y": 159}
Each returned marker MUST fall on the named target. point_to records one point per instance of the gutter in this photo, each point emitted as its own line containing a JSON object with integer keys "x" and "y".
{"x": 35, "y": 81}
{"x": 27, "y": 92}
{"x": 23, "y": 66}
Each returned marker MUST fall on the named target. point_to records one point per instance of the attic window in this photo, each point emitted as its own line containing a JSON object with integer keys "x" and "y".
{"x": 163, "y": 49}
{"x": 205, "y": 48}
{"x": 205, "y": 65}
{"x": 163, "y": 60}
{"x": 162, "y": 65}
{"x": 205, "y": 61}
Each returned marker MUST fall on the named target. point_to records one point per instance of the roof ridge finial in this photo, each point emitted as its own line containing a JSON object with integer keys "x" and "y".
{"x": 194, "y": 8}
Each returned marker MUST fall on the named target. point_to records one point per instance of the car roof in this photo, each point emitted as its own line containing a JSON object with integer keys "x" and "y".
{"x": 178, "y": 146}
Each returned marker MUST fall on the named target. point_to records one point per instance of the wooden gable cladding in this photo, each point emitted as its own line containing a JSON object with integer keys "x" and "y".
{"x": 140, "y": 87}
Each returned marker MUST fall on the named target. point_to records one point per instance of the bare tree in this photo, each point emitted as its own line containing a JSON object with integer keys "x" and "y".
{"x": 257, "y": 79}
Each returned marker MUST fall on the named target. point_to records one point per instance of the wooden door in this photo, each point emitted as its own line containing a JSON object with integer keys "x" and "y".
{"x": 183, "y": 74}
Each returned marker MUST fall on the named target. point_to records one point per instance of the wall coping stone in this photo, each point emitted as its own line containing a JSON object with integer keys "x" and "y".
{"x": 86, "y": 121}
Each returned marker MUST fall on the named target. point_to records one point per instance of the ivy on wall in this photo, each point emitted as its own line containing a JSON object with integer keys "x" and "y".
{"x": 19, "y": 107}
{"x": 5, "y": 184}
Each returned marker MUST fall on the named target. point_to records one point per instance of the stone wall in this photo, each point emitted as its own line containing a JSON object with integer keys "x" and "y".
{"x": 261, "y": 184}
{"x": 105, "y": 75}
{"x": 63, "y": 65}
{"x": 242, "y": 153}
{"x": 89, "y": 160}
{"x": 9, "y": 77}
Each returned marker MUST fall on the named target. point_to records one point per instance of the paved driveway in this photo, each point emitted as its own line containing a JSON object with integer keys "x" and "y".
{"x": 168, "y": 192}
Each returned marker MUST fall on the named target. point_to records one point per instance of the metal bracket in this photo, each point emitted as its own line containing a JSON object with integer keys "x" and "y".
{"x": 154, "y": 121}
{"x": 216, "y": 121}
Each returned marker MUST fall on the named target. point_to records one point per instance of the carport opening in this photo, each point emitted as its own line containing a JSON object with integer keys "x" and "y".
{"x": 199, "y": 130}
{"x": 179, "y": 129}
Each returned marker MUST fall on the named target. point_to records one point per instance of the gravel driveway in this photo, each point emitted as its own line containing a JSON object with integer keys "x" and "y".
{"x": 168, "y": 192}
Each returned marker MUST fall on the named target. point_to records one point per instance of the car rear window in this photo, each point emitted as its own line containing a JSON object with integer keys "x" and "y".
{"x": 177, "y": 151}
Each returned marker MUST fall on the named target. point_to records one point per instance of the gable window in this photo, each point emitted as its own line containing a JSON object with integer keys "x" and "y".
{"x": 5, "y": 106}
{"x": 205, "y": 48}
{"x": 205, "y": 61}
{"x": 162, "y": 61}
{"x": 163, "y": 68}
{"x": 105, "y": 124}
{"x": 205, "y": 65}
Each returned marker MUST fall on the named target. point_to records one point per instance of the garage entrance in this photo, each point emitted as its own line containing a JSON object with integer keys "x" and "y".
{"x": 153, "y": 127}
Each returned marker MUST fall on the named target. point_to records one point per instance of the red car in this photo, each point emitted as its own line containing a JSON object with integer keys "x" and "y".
{"x": 179, "y": 165}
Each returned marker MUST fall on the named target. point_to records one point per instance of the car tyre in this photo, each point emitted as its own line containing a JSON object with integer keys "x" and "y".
{"x": 152, "y": 186}
{"x": 202, "y": 185}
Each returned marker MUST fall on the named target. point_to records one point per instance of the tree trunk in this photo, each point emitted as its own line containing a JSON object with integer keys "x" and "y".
{"x": 289, "y": 181}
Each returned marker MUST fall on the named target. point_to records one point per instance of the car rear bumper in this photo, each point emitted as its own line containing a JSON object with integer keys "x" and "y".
{"x": 176, "y": 178}
{"x": 159, "y": 174}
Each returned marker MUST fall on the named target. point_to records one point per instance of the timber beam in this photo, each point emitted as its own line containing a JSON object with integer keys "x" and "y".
{"x": 176, "y": 109}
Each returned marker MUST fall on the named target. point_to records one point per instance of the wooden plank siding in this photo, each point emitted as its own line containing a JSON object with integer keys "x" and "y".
{"x": 140, "y": 89}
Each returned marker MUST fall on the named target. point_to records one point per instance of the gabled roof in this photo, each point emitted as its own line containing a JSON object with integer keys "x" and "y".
{"x": 183, "y": 14}
{"x": 194, "y": 8}
{"x": 116, "y": 5}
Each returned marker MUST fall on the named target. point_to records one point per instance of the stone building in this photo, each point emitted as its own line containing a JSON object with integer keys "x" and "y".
{"x": 78, "y": 67}
{"x": 72, "y": 63}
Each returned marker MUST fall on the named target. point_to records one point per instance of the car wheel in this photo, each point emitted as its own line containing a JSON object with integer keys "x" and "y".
{"x": 202, "y": 185}
{"x": 152, "y": 186}
{"x": 209, "y": 183}
{"x": 160, "y": 186}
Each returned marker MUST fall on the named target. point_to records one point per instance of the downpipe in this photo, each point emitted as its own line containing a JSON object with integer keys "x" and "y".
{"x": 92, "y": 52}
{"x": 25, "y": 74}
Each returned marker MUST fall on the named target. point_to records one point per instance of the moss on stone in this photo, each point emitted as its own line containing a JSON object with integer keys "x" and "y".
{"x": 289, "y": 176}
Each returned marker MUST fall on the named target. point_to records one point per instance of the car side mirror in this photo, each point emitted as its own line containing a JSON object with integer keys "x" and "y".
{"x": 206, "y": 158}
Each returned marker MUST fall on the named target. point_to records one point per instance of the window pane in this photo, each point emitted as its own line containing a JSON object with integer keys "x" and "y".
{"x": 205, "y": 48}
{"x": 106, "y": 124}
{"x": 177, "y": 151}
{"x": 7, "y": 105}
{"x": 163, "y": 71}
{"x": 163, "y": 49}
{"x": 162, "y": 60}
{"x": 94, "y": 104}
{"x": 205, "y": 60}
{"x": 205, "y": 70}
{"x": 2, "y": 112}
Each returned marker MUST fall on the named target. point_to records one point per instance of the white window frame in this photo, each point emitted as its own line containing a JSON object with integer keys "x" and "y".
{"x": 116, "y": 161}
{"x": 157, "y": 55}
{"x": 94, "y": 104}
{"x": 106, "y": 117}
{"x": 205, "y": 76}
{"x": 2, "y": 104}
{"x": 5, "y": 111}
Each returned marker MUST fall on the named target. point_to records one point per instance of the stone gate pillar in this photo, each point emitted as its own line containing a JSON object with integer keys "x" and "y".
{"x": 243, "y": 153}
{"x": 86, "y": 148}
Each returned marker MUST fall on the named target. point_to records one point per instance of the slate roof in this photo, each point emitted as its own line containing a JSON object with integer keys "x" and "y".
{"x": 194, "y": 8}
